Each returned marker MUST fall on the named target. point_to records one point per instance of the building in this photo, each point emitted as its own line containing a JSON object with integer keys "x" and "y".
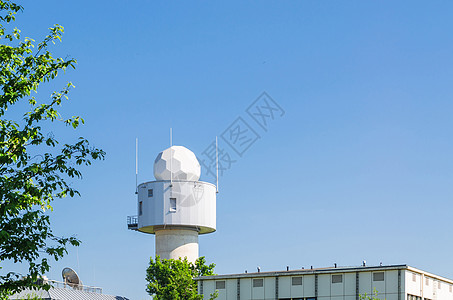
{"x": 61, "y": 290}
{"x": 394, "y": 282}
{"x": 71, "y": 288}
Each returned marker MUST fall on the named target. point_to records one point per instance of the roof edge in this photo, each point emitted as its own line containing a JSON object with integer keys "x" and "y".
{"x": 308, "y": 272}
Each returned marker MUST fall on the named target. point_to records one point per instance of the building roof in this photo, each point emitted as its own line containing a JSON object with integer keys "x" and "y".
{"x": 55, "y": 293}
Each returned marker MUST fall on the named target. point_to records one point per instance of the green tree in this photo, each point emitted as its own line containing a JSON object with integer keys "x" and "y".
{"x": 373, "y": 296}
{"x": 173, "y": 279}
{"x": 34, "y": 167}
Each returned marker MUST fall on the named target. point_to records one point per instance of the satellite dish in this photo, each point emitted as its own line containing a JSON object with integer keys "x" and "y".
{"x": 71, "y": 278}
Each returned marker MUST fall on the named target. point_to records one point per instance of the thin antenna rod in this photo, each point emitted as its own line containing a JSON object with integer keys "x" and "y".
{"x": 171, "y": 157}
{"x": 78, "y": 265}
{"x": 217, "y": 164}
{"x": 136, "y": 165}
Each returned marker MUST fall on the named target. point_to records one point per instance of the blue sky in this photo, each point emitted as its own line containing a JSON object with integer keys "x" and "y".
{"x": 359, "y": 166}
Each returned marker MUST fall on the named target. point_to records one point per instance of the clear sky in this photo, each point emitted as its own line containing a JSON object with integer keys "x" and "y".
{"x": 358, "y": 167}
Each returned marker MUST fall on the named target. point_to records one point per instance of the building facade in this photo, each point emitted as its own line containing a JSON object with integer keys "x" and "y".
{"x": 396, "y": 282}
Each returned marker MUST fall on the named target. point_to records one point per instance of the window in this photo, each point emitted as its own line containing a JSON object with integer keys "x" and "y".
{"x": 258, "y": 282}
{"x": 412, "y": 297}
{"x": 140, "y": 208}
{"x": 296, "y": 280}
{"x": 378, "y": 276}
{"x": 173, "y": 204}
{"x": 337, "y": 278}
{"x": 414, "y": 277}
{"x": 220, "y": 285}
{"x": 450, "y": 288}
{"x": 427, "y": 281}
{"x": 438, "y": 285}
{"x": 150, "y": 193}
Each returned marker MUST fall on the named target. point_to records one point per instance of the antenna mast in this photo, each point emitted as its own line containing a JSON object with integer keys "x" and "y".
{"x": 216, "y": 165}
{"x": 136, "y": 165}
{"x": 171, "y": 157}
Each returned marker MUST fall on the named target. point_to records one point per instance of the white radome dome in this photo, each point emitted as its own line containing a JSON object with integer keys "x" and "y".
{"x": 179, "y": 162}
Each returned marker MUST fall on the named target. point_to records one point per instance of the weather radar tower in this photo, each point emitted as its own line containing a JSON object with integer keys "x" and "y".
{"x": 176, "y": 207}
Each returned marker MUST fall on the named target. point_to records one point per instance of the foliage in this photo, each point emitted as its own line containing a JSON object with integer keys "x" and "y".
{"x": 34, "y": 167}
{"x": 33, "y": 297}
{"x": 173, "y": 279}
{"x": 373, "y": 296}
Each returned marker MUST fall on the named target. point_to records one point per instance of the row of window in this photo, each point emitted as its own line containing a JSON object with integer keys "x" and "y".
{"x": 412, "y": 297}
{"x": 377, "y": 276}
{"x": 308, "y": 298}
{"x": 428, "y": 279}
{"x": 335, "y": 278}
{"x": 297, "y": 280}
{"x": 258, "y": 282}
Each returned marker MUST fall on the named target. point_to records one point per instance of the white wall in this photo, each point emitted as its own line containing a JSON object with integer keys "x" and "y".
{"x": 345, "y": 290}
{"x": 413, "y": 283}
{"x": 195, "y": 205}
{"x": 426, "y": 286}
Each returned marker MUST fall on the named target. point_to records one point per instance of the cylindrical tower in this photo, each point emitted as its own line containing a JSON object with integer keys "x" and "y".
{"x": 176, "y": 207}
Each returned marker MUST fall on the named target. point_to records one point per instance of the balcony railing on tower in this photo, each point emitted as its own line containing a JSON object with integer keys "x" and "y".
{"x": 132, "y": 222}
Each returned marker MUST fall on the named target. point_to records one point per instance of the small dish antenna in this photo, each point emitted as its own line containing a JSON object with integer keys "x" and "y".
{"x": 71, "y": 278}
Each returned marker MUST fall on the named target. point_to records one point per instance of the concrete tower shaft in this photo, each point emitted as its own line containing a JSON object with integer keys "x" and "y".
{"x": 175, "y": 243}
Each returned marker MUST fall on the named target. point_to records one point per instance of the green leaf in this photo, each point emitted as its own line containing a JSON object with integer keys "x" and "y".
{"x": 174, "y": 278}
{"x": 34, "y": 166}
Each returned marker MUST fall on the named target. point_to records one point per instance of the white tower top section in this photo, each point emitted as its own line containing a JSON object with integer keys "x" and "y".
{"x": 177, "y": 208}
{"x": 177, "y": 163}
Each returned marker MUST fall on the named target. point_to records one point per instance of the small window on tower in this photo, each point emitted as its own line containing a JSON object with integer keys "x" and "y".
{"x": 150, "y": 193}
{"x": 140, "y": 208}
{"x": 173, "y": 204}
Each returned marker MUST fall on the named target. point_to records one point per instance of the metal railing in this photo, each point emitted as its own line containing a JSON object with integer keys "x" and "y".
{"x": 79, "y": 287}
{"x": 132, "y": 221}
